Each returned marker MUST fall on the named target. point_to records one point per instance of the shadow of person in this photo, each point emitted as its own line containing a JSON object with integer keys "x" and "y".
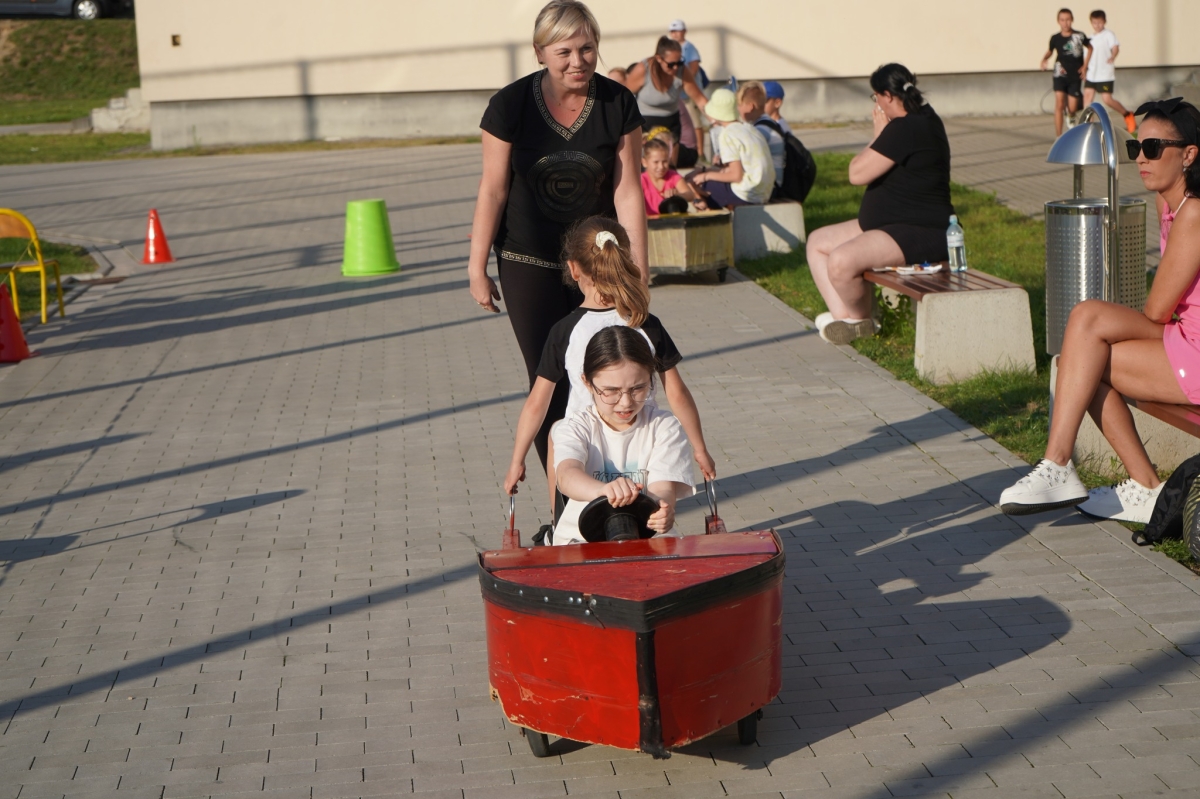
{"x": 14, "y": 553}
{"x": 881, "y": 614}
{"x": 26, "y": 549}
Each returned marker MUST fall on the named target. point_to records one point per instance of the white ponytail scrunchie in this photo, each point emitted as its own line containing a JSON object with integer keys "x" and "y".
{"x": 906, "y": 87}
{"x": 603, "y": 237}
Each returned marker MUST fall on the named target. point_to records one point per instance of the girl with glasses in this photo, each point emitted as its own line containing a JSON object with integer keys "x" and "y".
{"x": 620, "y": 445}
{"x": 659, "y": 83}
{"x": 596, "y": 252}
{"x": 1110, "y": 351}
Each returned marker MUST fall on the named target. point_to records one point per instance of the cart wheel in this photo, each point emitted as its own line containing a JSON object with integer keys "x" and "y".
{"x": 748, "y": 728}
{"x": 721, "y": 274}
{"x": 539, "y": 743}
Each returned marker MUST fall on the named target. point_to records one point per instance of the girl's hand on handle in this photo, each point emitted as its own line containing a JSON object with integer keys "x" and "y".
{"x": 621, "y": 492}
{"x": 516, "y": 474}
{"x": 663, "y": 519}
{"x": 485, "y": 293}
{"x": 708, "y": 467}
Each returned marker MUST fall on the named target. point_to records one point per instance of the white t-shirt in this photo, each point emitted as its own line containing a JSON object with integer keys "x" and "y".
{"x": 654, "y": 449}
{"x": 741, "y": 141}
{"x": 1099, "y": 70}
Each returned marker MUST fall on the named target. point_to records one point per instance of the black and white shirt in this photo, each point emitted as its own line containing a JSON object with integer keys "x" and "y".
{"x": 568, "y": 340}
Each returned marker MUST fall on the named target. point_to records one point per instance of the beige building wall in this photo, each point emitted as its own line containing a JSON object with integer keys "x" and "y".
{"x": 243, "y": 49}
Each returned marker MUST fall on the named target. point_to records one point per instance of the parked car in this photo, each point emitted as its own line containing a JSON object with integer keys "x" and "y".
{"x": 80, "y": 9}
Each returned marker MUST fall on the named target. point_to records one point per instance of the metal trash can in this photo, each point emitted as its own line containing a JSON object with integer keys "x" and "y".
{"x": 1075, "y": 259}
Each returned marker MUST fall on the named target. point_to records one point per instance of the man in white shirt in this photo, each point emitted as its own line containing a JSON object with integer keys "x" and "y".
{"x": 1101, "y": 71}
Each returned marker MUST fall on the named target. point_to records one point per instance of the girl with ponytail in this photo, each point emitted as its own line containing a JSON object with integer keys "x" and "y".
{"x": 597, "y": 257}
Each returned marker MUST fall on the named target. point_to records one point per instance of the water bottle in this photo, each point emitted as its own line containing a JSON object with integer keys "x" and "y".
{"x": 956, "y": 246}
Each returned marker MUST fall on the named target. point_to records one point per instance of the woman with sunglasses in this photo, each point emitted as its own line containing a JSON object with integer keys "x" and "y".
{"x": 1110, "y": 350}
{"x": 659, "y": 83}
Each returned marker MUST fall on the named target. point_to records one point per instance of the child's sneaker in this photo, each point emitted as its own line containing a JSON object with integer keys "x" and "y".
{"x": 822, "y": 320}
{"x": 843, "y": 331}
{"x": 1047, "y": 487}
{"x": 1130, "y": 123}
{"x": 1129, "y": 501}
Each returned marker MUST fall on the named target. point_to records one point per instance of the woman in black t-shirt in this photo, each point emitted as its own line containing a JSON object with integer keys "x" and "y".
{"x": 559, "y": 145}
{"x": 904, "y": 213}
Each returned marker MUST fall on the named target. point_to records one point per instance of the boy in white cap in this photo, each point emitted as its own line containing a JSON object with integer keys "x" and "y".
{"x": 677, "y": 30}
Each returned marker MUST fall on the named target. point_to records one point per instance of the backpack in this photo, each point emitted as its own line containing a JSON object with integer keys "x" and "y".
{"x": 1167, "y": 519}
{"x": 799, "y": 168}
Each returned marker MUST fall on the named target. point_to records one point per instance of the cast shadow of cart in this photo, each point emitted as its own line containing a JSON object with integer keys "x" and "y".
{"x": 878, "y": 616}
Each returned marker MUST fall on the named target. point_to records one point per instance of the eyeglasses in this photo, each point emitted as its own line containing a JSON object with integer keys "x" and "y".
{"x": 1153, "y": 148}
{"x": 672, "y": 64}
{"x": 611, "y": 396}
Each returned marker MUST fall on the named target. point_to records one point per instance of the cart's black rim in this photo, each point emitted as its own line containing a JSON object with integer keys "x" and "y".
{"x": 639, "y": 616}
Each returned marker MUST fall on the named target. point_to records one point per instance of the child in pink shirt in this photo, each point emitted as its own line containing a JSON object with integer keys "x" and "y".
{"x": 659, "y": 181}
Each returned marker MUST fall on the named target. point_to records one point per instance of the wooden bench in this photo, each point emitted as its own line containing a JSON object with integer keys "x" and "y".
{"x": 966, "y": 322}
{"x": 1182, "y": 417}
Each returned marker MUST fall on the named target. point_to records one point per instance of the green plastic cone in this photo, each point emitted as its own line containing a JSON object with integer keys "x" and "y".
{"x": 369, "y": 249}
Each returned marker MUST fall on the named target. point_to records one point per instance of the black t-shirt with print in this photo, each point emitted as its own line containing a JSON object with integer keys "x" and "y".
{"x": 1069, "y": 50}
{"x": 559, "y": 175}
{"x": 916, "y": 191}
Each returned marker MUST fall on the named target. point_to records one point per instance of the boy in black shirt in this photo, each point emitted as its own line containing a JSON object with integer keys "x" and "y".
{"x": 1073, "y": 50}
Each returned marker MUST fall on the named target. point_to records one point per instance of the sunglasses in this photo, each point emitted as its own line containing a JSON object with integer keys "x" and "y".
{"x": 1153, "y": 148}
{"x": 672, "y": 64}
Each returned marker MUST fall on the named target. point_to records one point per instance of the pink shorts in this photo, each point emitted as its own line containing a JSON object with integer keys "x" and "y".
{"x": 1184, "y": 357}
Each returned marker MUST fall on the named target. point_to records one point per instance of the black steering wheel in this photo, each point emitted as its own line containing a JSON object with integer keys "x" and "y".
{"x": 600, "y": 521}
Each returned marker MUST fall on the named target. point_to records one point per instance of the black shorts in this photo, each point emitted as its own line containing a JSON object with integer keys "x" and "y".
{"x": 1071, "y": 85}
{"x": 919, "y": 244}
{"x": 1104, "y": 87}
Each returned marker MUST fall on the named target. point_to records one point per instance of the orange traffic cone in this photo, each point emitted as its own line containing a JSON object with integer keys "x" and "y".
{"x": 12, "y": 339}
{"x": 157, "y": 249}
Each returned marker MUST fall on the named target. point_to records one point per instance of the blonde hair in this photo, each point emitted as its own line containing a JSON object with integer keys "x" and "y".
{"x": 752, "y": 91}
{"x": 656, "y": 144}
{"x": 562, "y": 19}
{"x": 609, "y": 266}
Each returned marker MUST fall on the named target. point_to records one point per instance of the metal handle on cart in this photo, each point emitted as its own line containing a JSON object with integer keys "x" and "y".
{"x": 511, "y": 538}
{"x": 712, "y": 522}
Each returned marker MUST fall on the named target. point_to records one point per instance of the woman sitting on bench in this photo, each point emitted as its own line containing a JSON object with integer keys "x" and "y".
{"x": 904, "y": 213}
{"x": 1110, "y": 350}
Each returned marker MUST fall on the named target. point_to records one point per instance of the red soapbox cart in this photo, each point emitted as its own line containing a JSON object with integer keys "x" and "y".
{"x": 634, "y": 642}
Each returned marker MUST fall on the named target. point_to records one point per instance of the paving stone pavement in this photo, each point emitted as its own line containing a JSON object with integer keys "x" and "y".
{"x": 244, "y": 497}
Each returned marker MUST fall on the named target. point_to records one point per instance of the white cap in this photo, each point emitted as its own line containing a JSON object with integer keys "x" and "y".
{"x": 677, "y": 25}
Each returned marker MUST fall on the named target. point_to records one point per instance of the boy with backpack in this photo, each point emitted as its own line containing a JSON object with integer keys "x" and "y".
{"x": 795, "y": 169}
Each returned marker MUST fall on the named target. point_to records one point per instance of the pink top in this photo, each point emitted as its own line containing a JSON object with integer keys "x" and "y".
{"x": 653, "y": 196}
{"x": 1181, "y": 337}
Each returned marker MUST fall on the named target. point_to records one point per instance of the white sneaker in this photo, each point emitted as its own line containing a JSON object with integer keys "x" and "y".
{"x": 822, "y": 320}
{"x": 843, "y": 331}
{"x": 1047, "y": 487}
{"x": 1129, "y": 501}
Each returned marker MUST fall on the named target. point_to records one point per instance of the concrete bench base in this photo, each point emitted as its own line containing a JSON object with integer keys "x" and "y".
{"x": 762, "y": 229}
{"x": 1166, "y": 445}
{"x": 962, "y": 333}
